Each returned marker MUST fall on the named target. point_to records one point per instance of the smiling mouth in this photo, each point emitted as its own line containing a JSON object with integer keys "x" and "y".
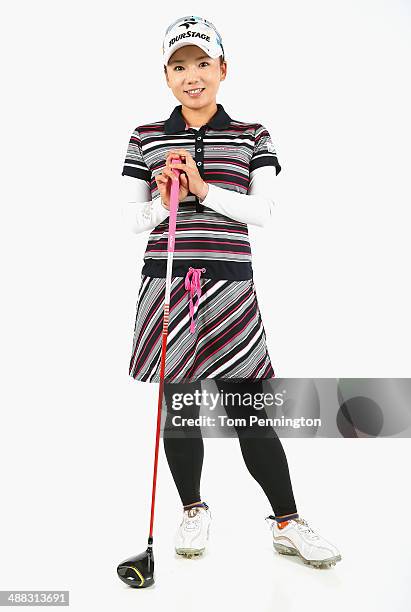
{"x": 198, "y": 90}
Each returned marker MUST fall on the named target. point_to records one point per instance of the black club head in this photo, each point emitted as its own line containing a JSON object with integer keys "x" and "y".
{"x": 138, "y": 571}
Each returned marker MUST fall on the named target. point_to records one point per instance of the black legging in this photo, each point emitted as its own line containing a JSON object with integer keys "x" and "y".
{"x": 264, "y": 455}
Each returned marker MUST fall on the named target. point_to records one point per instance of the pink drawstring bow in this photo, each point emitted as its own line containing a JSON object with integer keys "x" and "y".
{"x": 192, "y": 284}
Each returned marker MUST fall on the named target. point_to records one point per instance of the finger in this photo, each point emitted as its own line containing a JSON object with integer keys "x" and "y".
{"x": 182, "y": 152}
{"x": 184, "y": 169}
{"x": 160, "y": 178}
{"x": 176, "y": 152}
{"x": 168, "y": 160}
{"x": 170, "y": 174}
{"x": 178, "y": 165}
{"x": 163, "y": 182}
{"x": 165, "y": 174}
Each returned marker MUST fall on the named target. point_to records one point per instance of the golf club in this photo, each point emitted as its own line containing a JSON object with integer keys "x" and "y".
{"x": 138, "y": 571}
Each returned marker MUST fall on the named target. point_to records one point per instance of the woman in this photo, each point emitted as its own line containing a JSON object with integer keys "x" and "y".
{"x": 216, "y": 331}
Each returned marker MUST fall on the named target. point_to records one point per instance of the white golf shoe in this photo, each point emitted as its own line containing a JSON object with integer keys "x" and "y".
{"x": 296, "y": 537}
{"x": 193, "y": 532}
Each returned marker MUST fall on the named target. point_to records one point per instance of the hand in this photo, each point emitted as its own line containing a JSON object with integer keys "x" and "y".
{"x": 189, "y": 176}
{"x": 163, "y": 180}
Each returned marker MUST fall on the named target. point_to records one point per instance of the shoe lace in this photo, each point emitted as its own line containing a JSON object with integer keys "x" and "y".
{"x": 192, "y": 512}
{"x": 191, "y": 517}
{"x": 303, "y": 526}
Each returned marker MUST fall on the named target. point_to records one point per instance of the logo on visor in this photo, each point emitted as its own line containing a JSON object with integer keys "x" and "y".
{"x": 188, "y": 23}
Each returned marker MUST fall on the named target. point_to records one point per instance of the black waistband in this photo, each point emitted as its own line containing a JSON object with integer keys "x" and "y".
{"x": 218, "y": 270}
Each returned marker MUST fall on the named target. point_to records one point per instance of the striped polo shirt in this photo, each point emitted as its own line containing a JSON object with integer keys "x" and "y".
{"x": 226, "y": 151}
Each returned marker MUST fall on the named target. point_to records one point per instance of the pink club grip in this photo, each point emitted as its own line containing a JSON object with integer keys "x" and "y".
{"x": 174, "y": 201}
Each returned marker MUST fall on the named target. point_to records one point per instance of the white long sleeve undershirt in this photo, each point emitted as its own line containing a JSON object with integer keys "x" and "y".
{"x": 140, "y": 213}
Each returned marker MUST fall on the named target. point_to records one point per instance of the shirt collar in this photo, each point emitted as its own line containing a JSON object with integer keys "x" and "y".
{"x": 176, "y": 123}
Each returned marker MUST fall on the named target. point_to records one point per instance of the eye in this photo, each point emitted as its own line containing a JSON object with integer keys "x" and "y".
{"x": 179, "y": 66}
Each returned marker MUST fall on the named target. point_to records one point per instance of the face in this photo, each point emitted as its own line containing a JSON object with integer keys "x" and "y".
{"x": 191, "y": 68}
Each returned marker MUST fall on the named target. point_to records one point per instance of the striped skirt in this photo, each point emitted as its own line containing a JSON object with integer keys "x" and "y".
{"x": 215, "y": 331}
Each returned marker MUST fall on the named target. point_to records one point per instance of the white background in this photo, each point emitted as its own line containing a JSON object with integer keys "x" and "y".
{"x": 330, "y": 80}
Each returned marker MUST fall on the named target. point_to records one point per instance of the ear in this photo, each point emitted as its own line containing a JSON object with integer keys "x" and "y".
{"x": 223, "y": 71}
{"x": 166, "y": 75}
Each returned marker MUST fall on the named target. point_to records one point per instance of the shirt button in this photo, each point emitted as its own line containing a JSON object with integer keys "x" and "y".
{"x": 198, "y": 137}
{"x": 199, "y": 163}
{"x": 199, "y": 150}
